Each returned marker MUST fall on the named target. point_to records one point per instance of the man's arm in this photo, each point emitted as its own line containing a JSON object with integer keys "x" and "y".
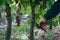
{"x": 55, "y": 9}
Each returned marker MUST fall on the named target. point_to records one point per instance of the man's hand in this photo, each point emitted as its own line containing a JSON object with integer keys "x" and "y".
{"x": 42, "y": 23}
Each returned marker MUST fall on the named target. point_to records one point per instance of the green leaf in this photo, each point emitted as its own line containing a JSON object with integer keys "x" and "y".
{"x": 49, "y": 34}
{"x": 55, "y": 23}
{"x": 9, "y": 1}
{"x": 2, "y": 2}
{"x": 13, "y": 5}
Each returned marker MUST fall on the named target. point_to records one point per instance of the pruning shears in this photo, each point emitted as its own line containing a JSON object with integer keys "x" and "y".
{"x": 49, "y": 32}
{"x": 40, "y": 27}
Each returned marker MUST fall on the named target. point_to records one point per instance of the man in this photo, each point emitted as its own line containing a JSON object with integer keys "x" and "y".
{"x": 54, "y": 10}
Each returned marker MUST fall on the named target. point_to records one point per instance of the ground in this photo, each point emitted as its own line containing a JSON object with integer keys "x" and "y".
{"x": 19, "y": 33}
